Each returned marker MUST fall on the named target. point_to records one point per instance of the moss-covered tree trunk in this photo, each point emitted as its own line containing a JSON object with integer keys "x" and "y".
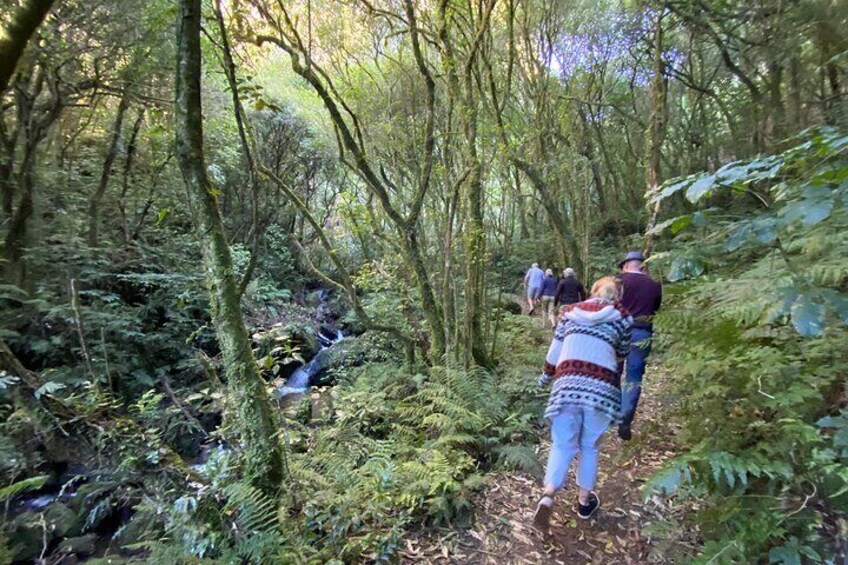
{"x": 463, "y": 92}
{"x": 656, "y": 131}
{"x": 254, "y": 418}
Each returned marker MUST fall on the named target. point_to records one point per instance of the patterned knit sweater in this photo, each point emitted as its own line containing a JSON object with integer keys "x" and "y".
{"x": 583, "y": 359}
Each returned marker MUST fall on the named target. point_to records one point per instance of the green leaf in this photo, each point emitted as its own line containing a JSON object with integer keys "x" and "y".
{"x": 764, "y": 169}
{"x": 669, "y": 189}
{"x": 31, "y": 483}
{"x": 700, "y": 219}
{"x": 680, "y": 224}
{"x": 765, "y": 229}
{"x": 662, "y": 226}
{"x": 815, "y": 206}
{"x": 701, "y": 187}
{"x": 732, "y": 172}
{"x": 684, "y": 268}
{"x": 782, "y": 306}
{"x": 7, "y": 380}
{"x": 838, "y": 143}
{"x": 669, "y": 480}
{"x": 48, "y": 388}
{"x": 738, "y": 236}
{"x": 836, "y": 303}
{"x": 807, "y": 316}
{"x": 788, "y": 554}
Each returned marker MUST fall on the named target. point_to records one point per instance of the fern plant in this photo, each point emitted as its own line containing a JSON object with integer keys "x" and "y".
{"x": 756, "y": 339}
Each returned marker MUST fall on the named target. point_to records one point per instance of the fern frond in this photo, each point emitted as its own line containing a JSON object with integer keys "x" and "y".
{"x": 255, "y": 511}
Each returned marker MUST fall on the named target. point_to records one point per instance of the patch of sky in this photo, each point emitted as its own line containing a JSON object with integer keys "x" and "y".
{"x": 617, "y": 42}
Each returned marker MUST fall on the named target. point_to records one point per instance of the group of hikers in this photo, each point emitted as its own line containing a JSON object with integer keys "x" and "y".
{"x": 597, "y": 340}
{"x": 544, "y": 288}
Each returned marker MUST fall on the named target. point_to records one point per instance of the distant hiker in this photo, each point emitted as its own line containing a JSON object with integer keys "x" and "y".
{"x": 590, "y": 340}
{"x": 533, "y": 284}
{"x": 642, "y": 298}
{"x": 569, "y": 290}
{"x": 549, "y": 286}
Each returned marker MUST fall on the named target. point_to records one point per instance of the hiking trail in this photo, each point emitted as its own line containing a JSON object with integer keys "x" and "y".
{"x": 503, "y": 533}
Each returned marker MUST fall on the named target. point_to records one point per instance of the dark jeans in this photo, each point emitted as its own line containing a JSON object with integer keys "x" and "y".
{"x": 631, "y": 388}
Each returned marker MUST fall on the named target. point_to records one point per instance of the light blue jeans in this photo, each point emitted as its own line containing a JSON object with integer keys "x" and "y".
{"x": 574, "y": 430}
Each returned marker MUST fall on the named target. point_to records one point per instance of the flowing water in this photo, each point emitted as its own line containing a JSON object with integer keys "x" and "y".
{"x": 298, "y": 383}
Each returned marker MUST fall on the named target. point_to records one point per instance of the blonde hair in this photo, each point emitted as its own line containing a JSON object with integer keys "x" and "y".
{"x": 607, "y": 288}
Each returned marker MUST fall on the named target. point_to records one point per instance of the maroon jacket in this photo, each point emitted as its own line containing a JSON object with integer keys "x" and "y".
{"x": 642, "y": 298}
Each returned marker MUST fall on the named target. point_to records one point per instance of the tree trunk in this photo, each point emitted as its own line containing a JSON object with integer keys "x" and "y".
{"x": 349, "y": 140}
{"x": 254, "y": 420}
{"x": 108, "y": 161}
{"x": 7, "y": 159}
{"x": 14, "y": 39}
{"x": 656, "y": 131}
{"x": 569, "y": 243}
{"x": 125, "y": 179}
{"x": 238, "y": 112}
{"x": 16, "y": 236}
{"x": 475, "y": 249}
{"x": 449, "y": 309}
{"x": 589, "y": 153}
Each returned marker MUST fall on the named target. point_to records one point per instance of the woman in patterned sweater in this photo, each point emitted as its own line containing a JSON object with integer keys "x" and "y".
{"x": 584, "y": 362}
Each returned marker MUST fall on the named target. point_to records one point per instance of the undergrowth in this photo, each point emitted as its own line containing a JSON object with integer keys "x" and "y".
{"x": 757, "y": 342}
{"x": 396, "y": 450}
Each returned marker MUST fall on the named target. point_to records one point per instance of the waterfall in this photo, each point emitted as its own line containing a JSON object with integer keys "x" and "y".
{"x": 298, "y": 383}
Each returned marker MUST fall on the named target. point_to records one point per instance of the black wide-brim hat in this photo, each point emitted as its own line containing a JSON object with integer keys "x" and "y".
{"x": 631, "y": 256}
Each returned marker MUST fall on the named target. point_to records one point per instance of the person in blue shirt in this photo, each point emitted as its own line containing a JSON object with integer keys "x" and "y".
{"x": 549, "y": 286}
{"x": 533, "y": 284}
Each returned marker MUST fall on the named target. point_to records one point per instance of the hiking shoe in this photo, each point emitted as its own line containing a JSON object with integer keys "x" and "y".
{"x": 586, "y": 511}
{"x": 624, "y": 432}
{"x": 542, "y": 516}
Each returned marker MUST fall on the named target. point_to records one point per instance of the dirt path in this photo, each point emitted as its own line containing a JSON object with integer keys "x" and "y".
{"x": 502, "y": 533}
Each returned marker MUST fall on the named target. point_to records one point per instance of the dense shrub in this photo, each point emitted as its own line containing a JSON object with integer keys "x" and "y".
{"x": 757, "y": 342}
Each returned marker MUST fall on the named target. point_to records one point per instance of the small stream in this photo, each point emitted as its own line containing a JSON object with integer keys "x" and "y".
{"x": 211, "y": 456}
{"x": 298, "y": 383}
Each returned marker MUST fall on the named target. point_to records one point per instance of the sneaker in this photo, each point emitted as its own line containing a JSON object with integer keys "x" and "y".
{"x": 542, "y": 516}
{"x": 624, "y": 432}
{"x": 586, "y": 511}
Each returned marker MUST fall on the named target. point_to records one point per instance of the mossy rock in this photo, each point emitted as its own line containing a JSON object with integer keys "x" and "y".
{"x": 64, "y": 522}
{"x": 348, "y": 353}
{"x": 81, "y": 545}
{"x": 295, "y": 335}
{"x": 25, "y": 537}
{"x": 141, "y": 527}
{"x": 88, "y": 494}
{"x": 509, "y": 306}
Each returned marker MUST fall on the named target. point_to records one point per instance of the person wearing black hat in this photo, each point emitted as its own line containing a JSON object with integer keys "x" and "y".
{"x": 642, "y": 298}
